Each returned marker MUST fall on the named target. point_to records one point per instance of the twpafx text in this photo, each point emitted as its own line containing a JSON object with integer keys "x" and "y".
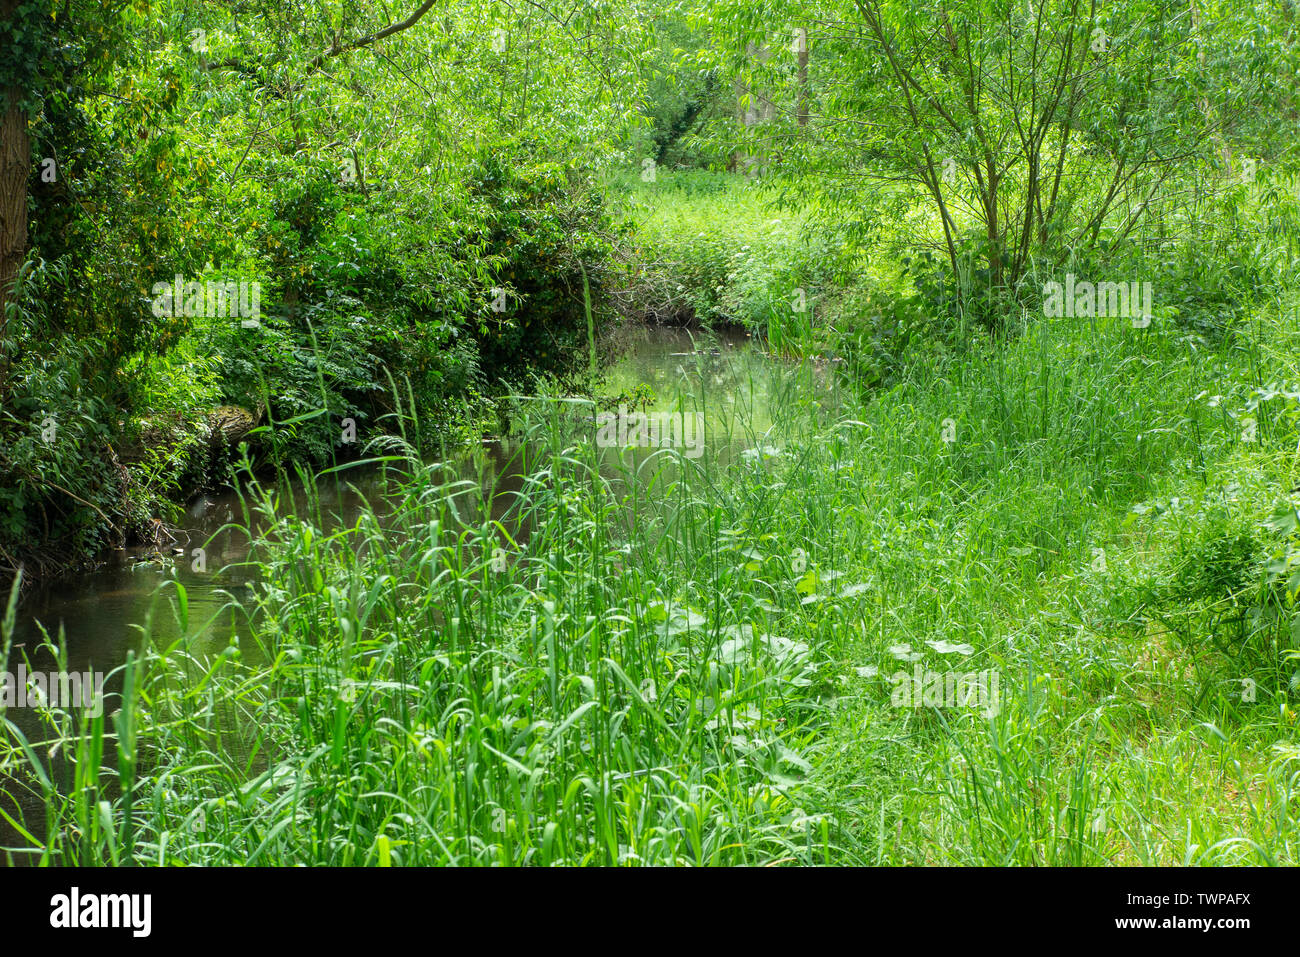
{"x": 1161, "y": 900}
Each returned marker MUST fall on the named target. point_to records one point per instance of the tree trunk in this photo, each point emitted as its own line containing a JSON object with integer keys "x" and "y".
{"x": 801, "y": 51}
{"x": 15, "y": 165}
{"x": 760, "y": 110}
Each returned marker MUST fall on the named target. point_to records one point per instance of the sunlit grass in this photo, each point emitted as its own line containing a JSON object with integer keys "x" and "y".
{"x": 656, "y": 660}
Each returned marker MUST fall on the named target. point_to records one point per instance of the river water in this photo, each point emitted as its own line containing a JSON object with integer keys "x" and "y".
{"x": 102, "y": 614}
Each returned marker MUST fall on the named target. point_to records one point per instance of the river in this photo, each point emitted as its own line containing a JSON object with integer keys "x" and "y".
{"x": 102, "y": 614}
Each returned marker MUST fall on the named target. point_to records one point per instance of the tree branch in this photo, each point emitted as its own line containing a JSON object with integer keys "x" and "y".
{"x": 336, "y": 48}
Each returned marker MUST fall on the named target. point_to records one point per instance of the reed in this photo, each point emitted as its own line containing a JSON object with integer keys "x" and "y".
{"x": 650, "y": 659}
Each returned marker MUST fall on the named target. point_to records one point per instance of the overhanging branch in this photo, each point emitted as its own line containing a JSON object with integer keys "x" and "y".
{"x": 336, "y": 48}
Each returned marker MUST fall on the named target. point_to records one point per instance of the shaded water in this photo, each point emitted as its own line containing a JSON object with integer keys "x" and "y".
{"x": 104, "y": 613}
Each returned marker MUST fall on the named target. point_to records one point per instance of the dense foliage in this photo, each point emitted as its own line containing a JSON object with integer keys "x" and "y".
{"x": 431, "y": 225}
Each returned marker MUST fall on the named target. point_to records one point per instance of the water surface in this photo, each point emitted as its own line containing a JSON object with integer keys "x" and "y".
{"x": 104, "y": 613}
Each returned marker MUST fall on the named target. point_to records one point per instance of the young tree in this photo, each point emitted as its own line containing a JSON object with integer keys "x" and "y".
{"x": 1030, "y": 128}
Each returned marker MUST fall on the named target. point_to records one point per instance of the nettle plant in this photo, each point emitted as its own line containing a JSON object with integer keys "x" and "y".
{"x": 1279, "y": 609}
{"x": 1231, "y": 600}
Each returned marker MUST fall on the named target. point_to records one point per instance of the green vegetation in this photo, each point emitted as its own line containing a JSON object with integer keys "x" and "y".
{"x": 637, "y": 656}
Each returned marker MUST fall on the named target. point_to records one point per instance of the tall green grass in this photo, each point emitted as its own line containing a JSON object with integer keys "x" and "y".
{"x": 655, "y": 660}
{"x": 425, "y": 689}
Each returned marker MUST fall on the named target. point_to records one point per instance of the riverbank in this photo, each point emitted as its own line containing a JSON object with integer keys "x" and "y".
{"x": 695, "y": 661}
